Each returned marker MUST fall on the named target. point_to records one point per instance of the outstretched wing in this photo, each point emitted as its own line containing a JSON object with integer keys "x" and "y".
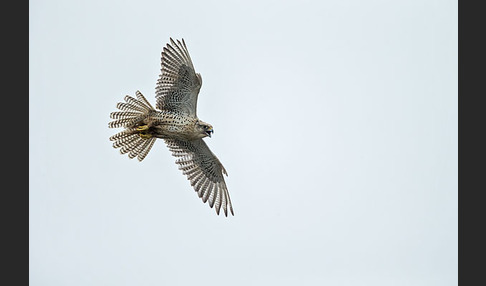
{"x": 178, "y": 85}
{"x": 203, "y": 170}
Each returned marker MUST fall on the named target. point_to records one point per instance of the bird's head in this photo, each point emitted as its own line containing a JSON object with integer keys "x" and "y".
{"x": 204, "y": 129}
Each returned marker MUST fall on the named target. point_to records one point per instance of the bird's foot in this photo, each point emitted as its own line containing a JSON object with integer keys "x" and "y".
{"x": 144, "y": 132}
{"x": 142, "y": 128}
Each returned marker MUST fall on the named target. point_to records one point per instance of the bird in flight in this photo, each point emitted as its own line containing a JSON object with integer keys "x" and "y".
{"x": 175, "y": 121}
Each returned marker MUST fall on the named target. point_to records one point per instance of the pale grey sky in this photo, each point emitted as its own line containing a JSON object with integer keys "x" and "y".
{"x": 336, "y": 121}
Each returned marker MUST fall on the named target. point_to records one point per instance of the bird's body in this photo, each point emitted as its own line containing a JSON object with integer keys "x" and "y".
{"x": 170, "y": 125}
{"x": 177, "y": 124}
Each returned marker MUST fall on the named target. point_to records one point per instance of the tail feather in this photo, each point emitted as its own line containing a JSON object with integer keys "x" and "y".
{"x": 138, "y": 149}
{"x": 125, "y": 137}
{"x": 122, "y": 122}
{"x": 126, "y": 107}
{"x": 133, "y": 112}
{"x": 123, "y": 114}
{"x": 135, "y": 104}
{"x": 146, "y": 148}
{"x": 130, "y": 145}
{"x": 143, "y": 99}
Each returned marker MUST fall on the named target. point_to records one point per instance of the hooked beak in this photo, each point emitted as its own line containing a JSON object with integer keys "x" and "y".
{"x": 209, "y": 132}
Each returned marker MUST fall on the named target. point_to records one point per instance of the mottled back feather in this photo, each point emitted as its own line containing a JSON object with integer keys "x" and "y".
{"x": 203, "y": 170}
{"x": 178, "y": 85}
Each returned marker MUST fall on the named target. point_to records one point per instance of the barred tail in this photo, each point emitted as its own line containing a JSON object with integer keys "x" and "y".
{"x": 132, "y": 114}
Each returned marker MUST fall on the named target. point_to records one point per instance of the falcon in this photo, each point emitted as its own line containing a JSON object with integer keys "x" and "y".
{"x": 175, "y": 121}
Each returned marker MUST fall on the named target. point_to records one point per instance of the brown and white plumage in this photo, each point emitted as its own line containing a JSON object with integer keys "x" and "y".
{"x": 203, "y": 170}
{"x": 176, "y": 122}
{"x": 178, "y": 85}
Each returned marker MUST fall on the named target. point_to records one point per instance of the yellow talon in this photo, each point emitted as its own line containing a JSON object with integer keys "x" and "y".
{"x": 143, "y": 132}
{"x": 142, "y": 128}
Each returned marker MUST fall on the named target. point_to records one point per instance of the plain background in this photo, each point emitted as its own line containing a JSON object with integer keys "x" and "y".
{"x": 336, "y": 121}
